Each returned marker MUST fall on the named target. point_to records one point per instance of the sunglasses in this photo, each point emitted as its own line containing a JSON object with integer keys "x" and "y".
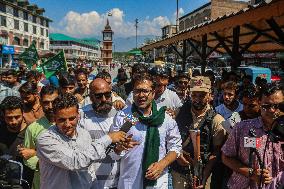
{"x": 100, "y": 95}
{"x": 270, "y": 106}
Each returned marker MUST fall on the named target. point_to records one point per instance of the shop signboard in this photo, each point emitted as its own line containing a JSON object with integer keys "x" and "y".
{"x": 8, "y": 49}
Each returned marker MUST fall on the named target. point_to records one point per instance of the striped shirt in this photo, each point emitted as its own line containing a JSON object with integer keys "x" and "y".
{"x": 107, "y": 169}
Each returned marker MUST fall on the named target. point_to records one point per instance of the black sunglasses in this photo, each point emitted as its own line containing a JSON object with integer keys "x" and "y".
{"x": 100, "y": 95}
{"x": 270, "y": 106}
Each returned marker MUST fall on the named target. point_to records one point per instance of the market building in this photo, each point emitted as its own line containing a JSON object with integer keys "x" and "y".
{"x": 76, "y": 50}
{"x": 21, "y": 23}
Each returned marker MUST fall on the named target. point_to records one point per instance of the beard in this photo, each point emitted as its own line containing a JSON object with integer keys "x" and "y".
{"x": 199, "y": 105}
{"x": 102, "y": 108}
{"x": 49, "y": 113}
{"x": 15, "y": 128}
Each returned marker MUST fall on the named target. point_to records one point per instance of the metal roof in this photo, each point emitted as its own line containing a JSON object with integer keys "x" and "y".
{"x": 93, "y": 42}
{"x": 252, "y": 21}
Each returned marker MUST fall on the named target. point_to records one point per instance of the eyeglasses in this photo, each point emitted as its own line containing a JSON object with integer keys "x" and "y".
{"x": 270, "y": 106}
{"x": 100, "y": 95}
{"x": 145, "y": 92}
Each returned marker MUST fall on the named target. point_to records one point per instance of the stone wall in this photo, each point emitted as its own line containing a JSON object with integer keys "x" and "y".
{"x": 223, "y": 7}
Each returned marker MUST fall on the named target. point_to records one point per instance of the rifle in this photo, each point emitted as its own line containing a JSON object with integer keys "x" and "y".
{"x": 197, "y": 174}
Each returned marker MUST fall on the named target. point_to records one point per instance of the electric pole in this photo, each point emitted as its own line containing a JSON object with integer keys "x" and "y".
{"x": 136, "y": 26}
{"x": 177, "y": 19}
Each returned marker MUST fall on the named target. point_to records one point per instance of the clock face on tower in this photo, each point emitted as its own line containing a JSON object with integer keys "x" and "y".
{"x": 107, "y": 36}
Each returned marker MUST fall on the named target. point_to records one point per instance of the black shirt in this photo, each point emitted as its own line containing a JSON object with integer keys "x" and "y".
{"x": 10, "y": 140}
{"x": 8, "y": 145}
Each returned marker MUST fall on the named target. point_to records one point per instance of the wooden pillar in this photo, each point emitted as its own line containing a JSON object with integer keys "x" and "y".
{"x": 183, "y": 54}
{"x": 203, "y": 54}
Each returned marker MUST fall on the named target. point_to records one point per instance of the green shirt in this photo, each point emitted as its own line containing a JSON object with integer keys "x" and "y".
{"x": 31, "y": 135}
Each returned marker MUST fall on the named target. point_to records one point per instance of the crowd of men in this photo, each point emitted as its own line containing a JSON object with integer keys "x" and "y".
{"x": 72, "y": 131}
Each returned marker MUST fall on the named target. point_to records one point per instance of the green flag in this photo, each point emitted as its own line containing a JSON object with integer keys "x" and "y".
{"x": 30, "y": 56}
{"x": 55, "y": 64}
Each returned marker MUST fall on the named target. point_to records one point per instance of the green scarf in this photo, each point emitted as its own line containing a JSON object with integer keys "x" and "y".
{"x": 152, "y": 142}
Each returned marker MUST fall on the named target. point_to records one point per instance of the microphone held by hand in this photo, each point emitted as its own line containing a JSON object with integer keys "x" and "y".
{"x": 124, "y": 128}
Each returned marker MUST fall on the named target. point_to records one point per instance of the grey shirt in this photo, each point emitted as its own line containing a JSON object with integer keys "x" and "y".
{"x": 64, "y": 161}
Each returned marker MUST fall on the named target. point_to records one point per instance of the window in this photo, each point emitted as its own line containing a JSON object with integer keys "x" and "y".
{"x": 41, "y": 31}
{"x": 16, "y": 41}
{"x": 46, "y": 33}
{"x": 16, "y": 12}
{"x": 41, "y": 45}
{"x": 2, "y": 7}
{"x": 47, "y": 24}
{"x": 41, "y": 21}
{"x": 34, "y": 19}
{"x": 3, "y": 21}
{"x": 16, "y": 24}
{"x": 34, "y": 30}
{"x": 26, "y": 42}
{"x": 26, "y": 27}
{"x": 26, "y": 16}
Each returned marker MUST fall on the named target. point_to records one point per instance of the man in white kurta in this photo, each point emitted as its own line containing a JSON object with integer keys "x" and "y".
{"x": 131, "y": 174}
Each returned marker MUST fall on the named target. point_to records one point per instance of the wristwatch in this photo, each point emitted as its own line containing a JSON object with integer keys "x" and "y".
{"x": 250, "y": 172}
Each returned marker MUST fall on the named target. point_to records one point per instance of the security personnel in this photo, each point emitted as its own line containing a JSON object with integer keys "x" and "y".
{"x": 198, "y": 114}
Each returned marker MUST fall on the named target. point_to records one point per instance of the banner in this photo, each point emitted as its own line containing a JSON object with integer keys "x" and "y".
{"x": 30, "y": 56}
{"x": 54, "y": 65}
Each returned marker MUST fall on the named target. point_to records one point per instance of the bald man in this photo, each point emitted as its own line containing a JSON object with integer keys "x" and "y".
{"x": 97, "y": 118}
{"x": 117, "y": 102}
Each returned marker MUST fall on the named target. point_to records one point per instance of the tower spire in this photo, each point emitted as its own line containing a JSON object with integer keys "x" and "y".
{"x": 107, "y": 27}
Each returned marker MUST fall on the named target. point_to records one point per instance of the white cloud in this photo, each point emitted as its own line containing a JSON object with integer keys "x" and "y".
{"x": 92, "y": 23}
{"x": 174, "y": 16}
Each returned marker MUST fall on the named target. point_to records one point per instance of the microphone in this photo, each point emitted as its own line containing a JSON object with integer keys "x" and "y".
{"x": 125, "y": 128}
{"x": 252, "y": 141}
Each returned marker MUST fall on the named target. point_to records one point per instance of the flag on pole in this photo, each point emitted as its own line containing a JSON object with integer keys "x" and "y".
{"x": 30, "y": 56}
{"x": 54, "y": 65}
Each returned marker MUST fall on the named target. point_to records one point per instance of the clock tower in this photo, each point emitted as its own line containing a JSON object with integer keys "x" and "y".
{"x": 107, "y": 45}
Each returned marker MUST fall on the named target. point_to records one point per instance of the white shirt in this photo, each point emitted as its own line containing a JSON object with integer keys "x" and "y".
{"x": 229, "y": 124}
{"x": 225, "y": 112}
{"x": 107, "y": 169}
{"x": 169, "y": 99}
{"x": 131, "y": 161}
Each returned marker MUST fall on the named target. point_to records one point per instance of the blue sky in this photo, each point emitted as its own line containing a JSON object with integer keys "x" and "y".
{"x": 86, "y": 18}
